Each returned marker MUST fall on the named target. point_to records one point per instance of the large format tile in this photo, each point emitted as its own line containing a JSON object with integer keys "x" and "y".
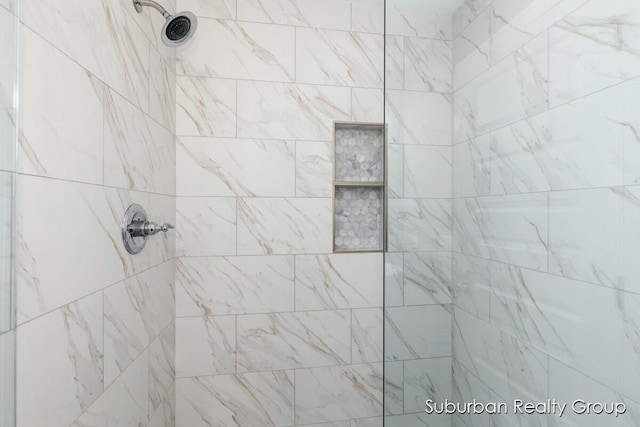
{"x": 511, "y": 229}
{"x": 333, "y": 14}
{"x": 314, "y": 169}
{"x": 268, "y": 342}
{"x": 418, "y": 118}
{"x": 205, "y": 345}
{"x": 427, "y": 171}
{"x": 521, "y": 83}
{"x": 417, "y": 332}
{"x": 339, "y": 58}
{"x": 236, "y": 167}
{"x": 206, "y": 226}
{"x": 321, "y": 393}
{"x": 250, "y": 51}
{"x": 284, "y": 226}
{"x": 339, "y": 281}
{"x": 223, "y": 9}
{"x": 428, "y": 65}
{"x": 122, "y": 61}
{"x": 426, "y": 379}
{"x": 432, "y": 21}
{"x": 472, "y": 285}
{"x": 128, "y": 394}
{"x": 135, "y": 312}
{"x": 205, "y": 107}
{"x": 162, "y": 367}
{"x": 49, "y": 279}
{"x": 60, "y": 373}
{"x": 594, "y": 47}
{"x": 367, "y": 330}
{"x": 288, "y": 111}
{"x": 582, "y": 224}
{"x": 427, "y": 278}
{"x": 419, "y": 225}
{"x": 139, "y": 154}
{"x": 561, "y": 317}
{"x": 58, "y": 139}
{"x": 471, "y": 50}
{"x": 246, "y": 400}
{"x": 234, "y": 285}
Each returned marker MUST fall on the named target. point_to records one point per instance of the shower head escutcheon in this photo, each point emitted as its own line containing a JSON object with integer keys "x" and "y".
{"x": 177, "y": 29}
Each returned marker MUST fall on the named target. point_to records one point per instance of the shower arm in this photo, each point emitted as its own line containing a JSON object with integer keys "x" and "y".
{"x": 140, "y": 3}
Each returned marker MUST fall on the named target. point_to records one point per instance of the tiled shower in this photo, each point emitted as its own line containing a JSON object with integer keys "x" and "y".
{"x": 376, "y": 203}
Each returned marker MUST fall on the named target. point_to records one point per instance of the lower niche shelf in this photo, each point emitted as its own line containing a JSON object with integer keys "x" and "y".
{"x": 359, "y": 223}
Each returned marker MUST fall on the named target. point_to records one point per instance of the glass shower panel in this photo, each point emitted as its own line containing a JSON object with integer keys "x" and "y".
{"x": 418, "y": 282}
{"x": 8, "y": 84}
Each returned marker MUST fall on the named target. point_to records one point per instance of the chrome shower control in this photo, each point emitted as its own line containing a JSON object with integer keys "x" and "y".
{"x": 136, "y": 228}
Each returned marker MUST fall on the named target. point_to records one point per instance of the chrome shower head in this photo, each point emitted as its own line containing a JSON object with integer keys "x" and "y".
{"x": 177, "y": 29}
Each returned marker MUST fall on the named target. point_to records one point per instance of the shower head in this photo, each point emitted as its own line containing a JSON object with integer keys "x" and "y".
{"x": 177, "y": 29}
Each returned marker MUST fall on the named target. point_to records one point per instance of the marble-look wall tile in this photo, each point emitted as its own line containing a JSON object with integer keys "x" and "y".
{"x": 418, "y": 118}
{"x": 367, "y": 16}
{"x": 139, "y": 154}
{"x": 394, "y": 62}
{"x": 271, "y": 342}
{"x": 251, "y": 400}
{"x": 234, "y": 285}
{"x": 393, "y": 279}
{"x": 333, "y": 14}
{"x": 428, "y": 65}
{"x": 284, "y": 226}
{"x": 319, "y": 393}
{"x": 59, "y": 387}
{"x": 579, "y": 145}
{"x": 286, "y": 111}
{"x": 236, "y": 167}
{"x": 472, "y": 285}
{"x": 206, "y": 226}
{"x": 367, "y": 422}
{"x": 465, "y": 388}
{"x": 581, "y": 224}
{"x": 472, "y": 163}
{"x": 511, "y": 229}
{"x": 367, "y": 330}
{"x": 515, "y": 22}
{"x": 395, "y": 171}
{"x": 250, "y": 51}
{"x": 339, "y": 58}
{"x": 427, "y": 171}
{"x": 510, "y": 367}
{"x": 162, "y": 248}
{"x": 165, "y": 415}
{"x": 565, "y": 384}
{"x": 631, "y": 348}
{"x": 472, "y": 50}
{"x": 520, "y": 81}
{"x": 417, "y": 20}
{"x": 427, "y": 278}
{"x": 367, "y": 105}
{"x": 393, "y": 388}
{"x": 467, "y": 13}
{"x": 314, "y": 169}
{"x": 594, "y": 47}
{"x": 339, "y": 281}
{"x": 123, "y": 58}
{"x": 561, "y": 317}
{"x": 128, "y": 394}
{"x": 426, "y": 379}
{"x": 419, "y": 225}
{"x": 222, "y": 9}
{"x": 162, "y": 90}
{"x": 49, "y": 279}
{"x": 417, "y": 332}
{"x": 631, "y": 239}
{"x": 205, "y": 346}
{"x": 7, "y": 381}
{"x": 162, "y": 367}
{"x": 52, "y": 141}
{"x": 205, "y": 106}
{"x": 135, "y": 312}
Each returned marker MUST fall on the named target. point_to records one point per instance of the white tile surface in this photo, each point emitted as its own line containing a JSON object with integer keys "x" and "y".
{"x": 205, "y": 226}
{"x": 205, "y": 345}
{"x": 333, "y": 14}
{"x": 205, "y": 106}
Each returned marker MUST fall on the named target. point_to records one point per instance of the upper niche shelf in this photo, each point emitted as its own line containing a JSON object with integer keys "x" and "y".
{"x": 359, "y": 154}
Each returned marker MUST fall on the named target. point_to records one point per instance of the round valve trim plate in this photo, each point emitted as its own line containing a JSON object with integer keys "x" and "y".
{"x": 133, "y": 244}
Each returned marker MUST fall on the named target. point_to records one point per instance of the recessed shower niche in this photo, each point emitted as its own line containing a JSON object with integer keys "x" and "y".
{"x": 359, "y": 184}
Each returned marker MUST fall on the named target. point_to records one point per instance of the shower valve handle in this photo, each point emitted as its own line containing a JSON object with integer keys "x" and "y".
{"x": 147, "y": 228}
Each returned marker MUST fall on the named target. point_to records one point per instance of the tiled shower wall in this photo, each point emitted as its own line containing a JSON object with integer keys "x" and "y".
{"x": 546, "y": 208}
{"x": 418, "y": 289}
{"x": 95, "y": 336}
{"x": 273, "y": 329}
